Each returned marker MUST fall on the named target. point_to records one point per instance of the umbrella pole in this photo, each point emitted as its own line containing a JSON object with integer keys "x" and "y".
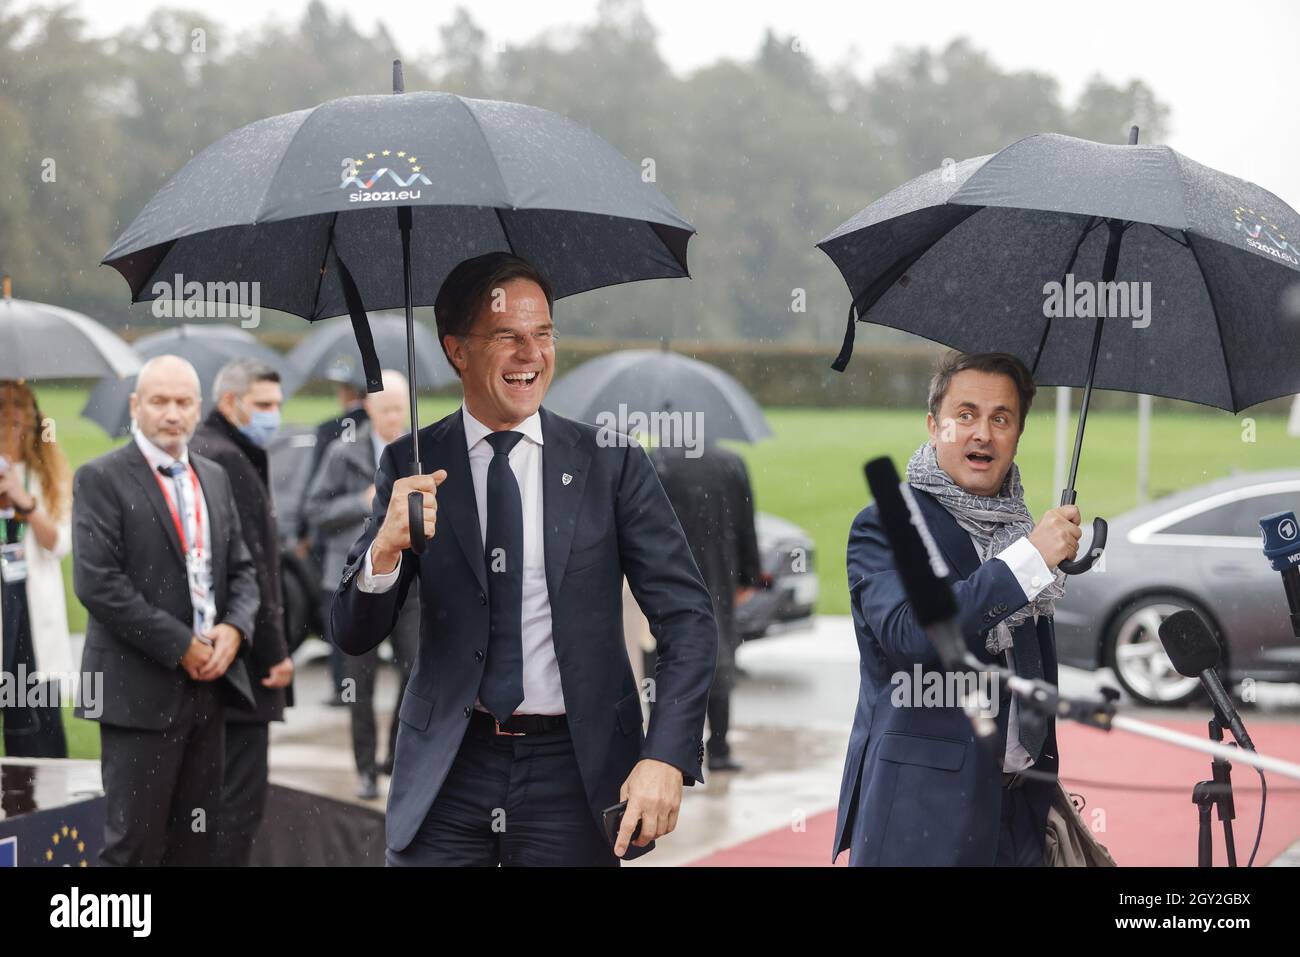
{"x": 1108, "y": 269}
{"x": 414, "y": 500}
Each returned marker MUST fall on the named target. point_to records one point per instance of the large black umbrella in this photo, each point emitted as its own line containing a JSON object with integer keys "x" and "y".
{"x": 41, "y": 341}
{"x": 369, "y": 201}
{"x": 207, "y": 348}
{"x": 330, "y": 351}
{"x": 999, "y": 252}
{"x": 655, "y": 382}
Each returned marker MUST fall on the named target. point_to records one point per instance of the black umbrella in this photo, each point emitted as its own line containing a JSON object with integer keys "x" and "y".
{"x": 989, "y": 253}
{"x": 41, "y": 341}
{"x": 207, "y": 348}
{"x": 319, "y": 206}
{"x": 330, "y": 351}
{"x": 653, "y": 382}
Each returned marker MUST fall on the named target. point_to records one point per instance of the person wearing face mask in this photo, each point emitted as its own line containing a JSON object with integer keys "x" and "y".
{"x": 245, "y": 417}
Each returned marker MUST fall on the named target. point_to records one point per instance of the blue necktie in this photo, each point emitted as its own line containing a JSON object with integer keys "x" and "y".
{"x": 1029, "y": 664}
{"x": 502, "y": 688}
{"x": 174, "y": 472}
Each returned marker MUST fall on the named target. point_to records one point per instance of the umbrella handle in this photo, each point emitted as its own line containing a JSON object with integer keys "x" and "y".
{"x": 415, "y": 518}
{"x": 1081, "y": 565}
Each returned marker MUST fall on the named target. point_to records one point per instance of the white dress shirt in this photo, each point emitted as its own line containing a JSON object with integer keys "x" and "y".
{"x": 202, "y": 595}
{"x": 542, "y": 694}
{"x": 1031, "y": 571}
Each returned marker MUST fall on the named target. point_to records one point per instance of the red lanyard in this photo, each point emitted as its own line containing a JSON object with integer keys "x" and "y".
{"x": 176, "y": 517}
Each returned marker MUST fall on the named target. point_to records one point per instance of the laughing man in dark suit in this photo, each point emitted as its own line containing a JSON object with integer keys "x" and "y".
{"x": 522, "y": 719}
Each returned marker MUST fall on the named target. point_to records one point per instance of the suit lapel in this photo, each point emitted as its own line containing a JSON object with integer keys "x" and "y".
{"x": 561, "y": 497}
{"x": 456, "y": 503}
{"x": 144, "y": 476}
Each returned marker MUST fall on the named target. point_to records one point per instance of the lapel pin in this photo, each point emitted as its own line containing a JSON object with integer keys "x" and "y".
{"x": 566, "y": 478}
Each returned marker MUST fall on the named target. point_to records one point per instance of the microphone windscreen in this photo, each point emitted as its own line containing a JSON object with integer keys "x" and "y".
{"x": 931, "y": 599}
{"x": 1189, "y": 643}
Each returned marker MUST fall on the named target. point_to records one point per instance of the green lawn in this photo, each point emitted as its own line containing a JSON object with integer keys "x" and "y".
{"x": 810, "y": 471}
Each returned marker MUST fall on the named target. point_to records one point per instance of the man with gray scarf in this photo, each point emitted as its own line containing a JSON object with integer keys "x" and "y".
{"x": 918, "y": 787}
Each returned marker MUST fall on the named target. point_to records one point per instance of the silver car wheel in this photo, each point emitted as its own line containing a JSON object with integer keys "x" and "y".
{"x": 1140, "y": 659}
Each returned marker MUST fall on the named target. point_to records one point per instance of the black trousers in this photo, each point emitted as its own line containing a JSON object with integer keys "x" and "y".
{"x": 162, "y": 789}
{"x": 34, "y": 731}
{"x": 509, "y": 801}
{"x": 718, "y": 709}
{"x": 361, "y": 671}
{"x": 1021, "y": 834}
{"x": 243, "y": 791}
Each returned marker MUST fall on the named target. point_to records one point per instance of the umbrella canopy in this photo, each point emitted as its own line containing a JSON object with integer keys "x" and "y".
{"x": 278, "y": 201}
{"x": 329, "y": 351}
{"x": 207, "y": 348}
{"x": 651, "y": 381}
{"x": 373, "y": 200}
{"x": 40, "y": 341}
{"x": 962, "y": 256}
{"x": 1125, "y": 267}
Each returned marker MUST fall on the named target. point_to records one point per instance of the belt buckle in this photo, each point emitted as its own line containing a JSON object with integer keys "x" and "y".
{"x": 506, "y": 734}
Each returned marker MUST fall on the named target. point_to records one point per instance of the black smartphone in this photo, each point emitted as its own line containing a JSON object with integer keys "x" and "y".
{"x": 612, "y": 817}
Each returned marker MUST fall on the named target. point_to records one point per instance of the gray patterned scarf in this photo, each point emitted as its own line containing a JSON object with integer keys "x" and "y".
{"x": 994, "y": 521}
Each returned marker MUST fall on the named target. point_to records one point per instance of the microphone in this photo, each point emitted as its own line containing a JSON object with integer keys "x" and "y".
{"x": 1194, "y": 652}
{"x": 924, "y": 575}
{"x": 1282, "y": 549}
{"x": 921, "y": 568}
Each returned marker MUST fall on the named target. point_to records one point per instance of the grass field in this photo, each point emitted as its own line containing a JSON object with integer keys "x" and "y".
{"x": 810, "y": 471}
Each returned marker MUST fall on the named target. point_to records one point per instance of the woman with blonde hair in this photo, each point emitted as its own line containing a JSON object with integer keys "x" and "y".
{"x": 35, "y": 534}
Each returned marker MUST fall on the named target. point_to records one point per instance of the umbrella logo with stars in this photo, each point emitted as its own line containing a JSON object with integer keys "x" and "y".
{"x": 370, "y": 168}
{"x": 1258, "y": 227}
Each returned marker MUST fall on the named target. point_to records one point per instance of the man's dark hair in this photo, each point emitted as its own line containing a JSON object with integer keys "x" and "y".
{"x": 1001, "y": 363}
{"x": 468, "y": 287}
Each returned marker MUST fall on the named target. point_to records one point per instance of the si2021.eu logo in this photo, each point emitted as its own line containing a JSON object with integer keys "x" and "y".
{"x": 382, "y": 176}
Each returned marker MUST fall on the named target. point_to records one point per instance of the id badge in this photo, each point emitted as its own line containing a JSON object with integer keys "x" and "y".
{"x": 13, "y": 563}
{"x": 200, "y": 592}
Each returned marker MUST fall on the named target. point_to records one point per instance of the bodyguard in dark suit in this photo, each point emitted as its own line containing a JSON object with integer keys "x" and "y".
{"x": 710, "y": 492}
{"x": 245, "y": 416}
{"x": 160, "y": 564}
{"x": 918, "y": 787}
{"x": 522, "y": 720}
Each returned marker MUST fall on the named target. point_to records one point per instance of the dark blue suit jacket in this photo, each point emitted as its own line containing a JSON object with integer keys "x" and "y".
{"x": 609, "y": 520}
{"x": 918, "y": 789}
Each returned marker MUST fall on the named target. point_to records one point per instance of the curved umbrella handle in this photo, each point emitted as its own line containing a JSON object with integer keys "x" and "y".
{"x": 415, "y": 518}
{"x": 1081, "y": 565}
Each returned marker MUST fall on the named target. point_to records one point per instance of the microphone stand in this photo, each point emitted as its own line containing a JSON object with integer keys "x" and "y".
{"x": 1215, "y": 793}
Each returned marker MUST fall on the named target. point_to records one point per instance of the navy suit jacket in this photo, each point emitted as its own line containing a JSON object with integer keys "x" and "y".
{"x": 918, "y": 787}
{"x": 609, "y": 520}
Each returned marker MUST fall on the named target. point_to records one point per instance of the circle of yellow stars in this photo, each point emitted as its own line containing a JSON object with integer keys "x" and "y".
{"x": 1259, "y": 218}
{"x": 70, "y": 833}
{"x": 412, "y": 161}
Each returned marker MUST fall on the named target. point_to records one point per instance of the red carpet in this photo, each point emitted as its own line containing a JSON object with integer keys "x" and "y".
{"x": 1140, "y": 828}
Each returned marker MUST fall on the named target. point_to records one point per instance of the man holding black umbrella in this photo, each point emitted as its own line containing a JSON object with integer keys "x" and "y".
{"x": 918, "y": 787}
{"x": 522, "y": 722}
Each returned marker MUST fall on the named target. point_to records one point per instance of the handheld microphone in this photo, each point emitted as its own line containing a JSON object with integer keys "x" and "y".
{"x": 1194, "y": 652}
{"x": 924, "y": 576}
{"x": 1282, "y": 549}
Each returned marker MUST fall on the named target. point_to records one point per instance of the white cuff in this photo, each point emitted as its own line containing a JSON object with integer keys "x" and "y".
{"x": 368, "y": 581}
{"x": 1027, "y": 564}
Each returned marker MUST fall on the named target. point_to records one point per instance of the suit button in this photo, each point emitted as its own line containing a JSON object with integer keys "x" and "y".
{"x": 468, "y": 710}
{"x": 478, "y": 656}
{"x": 482, "y": 598}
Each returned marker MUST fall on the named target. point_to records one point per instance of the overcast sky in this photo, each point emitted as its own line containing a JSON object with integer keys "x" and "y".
{"x": 1228, "y": 71}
